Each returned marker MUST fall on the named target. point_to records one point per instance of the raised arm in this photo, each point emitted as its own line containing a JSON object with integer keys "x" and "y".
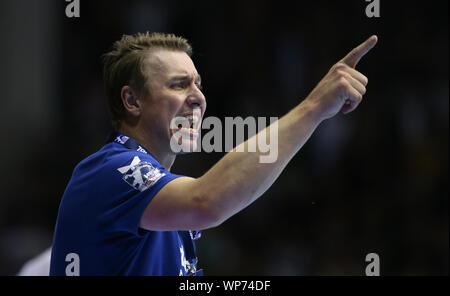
{"x": 239, "y": 178}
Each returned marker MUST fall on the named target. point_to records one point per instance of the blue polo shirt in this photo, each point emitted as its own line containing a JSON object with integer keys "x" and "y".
{"x": 98, "y": 219}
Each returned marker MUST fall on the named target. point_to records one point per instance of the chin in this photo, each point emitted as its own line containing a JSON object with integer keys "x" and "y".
{"x": 188, "y": 147}
{"x": 183, "y": 145}
{"x": 184, "y": 141}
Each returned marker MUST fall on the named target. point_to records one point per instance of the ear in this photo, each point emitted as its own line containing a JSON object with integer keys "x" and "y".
{"x": 130, "y": 100}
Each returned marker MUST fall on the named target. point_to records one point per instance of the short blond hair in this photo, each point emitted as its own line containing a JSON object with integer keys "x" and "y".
{"x": 124, "y": 65}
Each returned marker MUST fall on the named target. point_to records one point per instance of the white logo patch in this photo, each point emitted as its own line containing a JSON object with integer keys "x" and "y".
{"x": 140, "y": 174}
{"x": 184, "y": 262}
{"x": 140, "y": 149}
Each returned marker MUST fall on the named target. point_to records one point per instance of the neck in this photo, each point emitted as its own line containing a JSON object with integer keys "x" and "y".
{"x": 156, "y": 149}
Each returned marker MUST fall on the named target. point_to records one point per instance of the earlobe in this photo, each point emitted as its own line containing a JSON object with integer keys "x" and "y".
{"x": 130, "y": 100}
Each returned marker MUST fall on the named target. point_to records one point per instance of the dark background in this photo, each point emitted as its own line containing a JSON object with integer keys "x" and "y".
{"x": 372, "y": 181}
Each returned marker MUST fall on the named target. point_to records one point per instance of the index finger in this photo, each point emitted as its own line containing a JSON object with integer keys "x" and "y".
{"x": 353, "y": 57}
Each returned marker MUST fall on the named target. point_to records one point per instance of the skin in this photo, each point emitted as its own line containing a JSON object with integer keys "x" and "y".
{"x": 200, "y": 203}
{"x": 173, "y": 91}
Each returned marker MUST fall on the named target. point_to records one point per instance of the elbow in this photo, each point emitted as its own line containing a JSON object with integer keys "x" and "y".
{"x": 208, "y": 213}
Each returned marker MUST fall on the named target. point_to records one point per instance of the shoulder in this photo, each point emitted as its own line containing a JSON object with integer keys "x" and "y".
{"x": 125, "y": 160}
{"x": 137, "y": 168}
{"x": 114, "y": 156}
{"x": 115, "y": 162}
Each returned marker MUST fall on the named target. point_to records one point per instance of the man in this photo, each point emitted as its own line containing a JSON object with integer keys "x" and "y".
{"x": 124, "y": 212}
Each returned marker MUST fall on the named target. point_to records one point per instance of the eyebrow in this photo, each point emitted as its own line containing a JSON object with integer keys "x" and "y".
{"x": 186, "y": 77}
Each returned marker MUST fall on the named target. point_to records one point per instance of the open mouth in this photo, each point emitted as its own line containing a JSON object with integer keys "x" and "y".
{"x": 188, "y": 124}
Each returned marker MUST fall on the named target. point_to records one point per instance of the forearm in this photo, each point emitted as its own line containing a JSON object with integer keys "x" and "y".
{"x": 239, "y": 178}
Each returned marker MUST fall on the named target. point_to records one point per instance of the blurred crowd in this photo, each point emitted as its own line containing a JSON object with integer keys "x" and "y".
{"x": 374, "y": 181}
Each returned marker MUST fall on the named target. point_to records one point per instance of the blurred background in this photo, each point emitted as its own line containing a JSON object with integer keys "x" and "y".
{"x": 374, "y": 181}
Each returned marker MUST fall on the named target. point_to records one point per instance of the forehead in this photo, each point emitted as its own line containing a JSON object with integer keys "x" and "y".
{"x": 169, "y": 63}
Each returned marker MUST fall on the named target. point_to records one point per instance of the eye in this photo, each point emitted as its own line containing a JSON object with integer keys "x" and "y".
{"x": 178, "y": 85}
{"x": 199, "y": 86}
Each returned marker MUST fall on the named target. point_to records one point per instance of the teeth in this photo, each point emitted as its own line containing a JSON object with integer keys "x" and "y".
{"x": 192, "y": 118}
{"x": 191, "y": 130}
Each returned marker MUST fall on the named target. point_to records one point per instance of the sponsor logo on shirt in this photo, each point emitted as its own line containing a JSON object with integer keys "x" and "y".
{"x": 121, "y": 139}
{"x": 140, "y": 175}
{"x": 140, "y": 149}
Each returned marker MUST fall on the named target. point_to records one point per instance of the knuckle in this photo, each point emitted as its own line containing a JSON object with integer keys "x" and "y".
{"x": 343, "y": 82}
{"x": 341, "y": 73}
{"x": 339, "y": 66}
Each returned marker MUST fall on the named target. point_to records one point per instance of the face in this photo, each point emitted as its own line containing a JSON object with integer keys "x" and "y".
{"x": 174, "y": 105}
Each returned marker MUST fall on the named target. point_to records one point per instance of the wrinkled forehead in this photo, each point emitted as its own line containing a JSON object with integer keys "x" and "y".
{"x": 166, "y": 63}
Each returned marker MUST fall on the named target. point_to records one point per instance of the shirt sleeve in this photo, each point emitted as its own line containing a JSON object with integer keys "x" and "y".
{"x": 134, "y": 180}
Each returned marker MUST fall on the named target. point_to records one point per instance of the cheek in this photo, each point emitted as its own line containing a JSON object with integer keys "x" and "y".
{"x": 173, "y": 105}
{"x": 169, "y": 108}
{"x": 165, "y": 105}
